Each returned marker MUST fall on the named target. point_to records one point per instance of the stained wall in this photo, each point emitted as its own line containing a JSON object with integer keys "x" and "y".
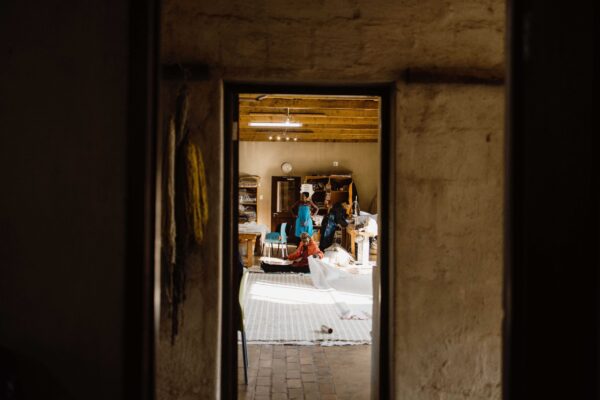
{"x": 449, "y": 168}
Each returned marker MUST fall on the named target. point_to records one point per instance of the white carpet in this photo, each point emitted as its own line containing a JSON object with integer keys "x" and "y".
{"x": 287, "y": 308}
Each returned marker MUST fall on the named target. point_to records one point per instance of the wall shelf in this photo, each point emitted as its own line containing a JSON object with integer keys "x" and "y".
{"x": 248, "y": 199}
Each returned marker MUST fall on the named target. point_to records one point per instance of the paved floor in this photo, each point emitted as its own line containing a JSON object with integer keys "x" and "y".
{"x": 280, "y": 372}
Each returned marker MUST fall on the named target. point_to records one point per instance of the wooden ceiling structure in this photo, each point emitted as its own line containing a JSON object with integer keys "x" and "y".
{"x": 324, "y": 118}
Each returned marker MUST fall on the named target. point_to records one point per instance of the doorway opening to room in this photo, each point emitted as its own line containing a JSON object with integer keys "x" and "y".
{"x": 308, "y": 211}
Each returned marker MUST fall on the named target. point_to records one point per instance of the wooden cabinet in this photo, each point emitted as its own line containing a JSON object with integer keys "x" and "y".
{"x": 330, "y": 189}
{"x": 319, "y": 196}
{"x": 248, "y": 199}
{"x": 327, "y": 191}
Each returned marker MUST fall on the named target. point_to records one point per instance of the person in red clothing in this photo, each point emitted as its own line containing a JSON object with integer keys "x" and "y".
{"x": 307, "y": 248}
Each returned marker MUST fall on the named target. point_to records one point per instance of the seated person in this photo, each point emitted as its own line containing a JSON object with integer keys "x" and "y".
{"x": 307, "y": 248}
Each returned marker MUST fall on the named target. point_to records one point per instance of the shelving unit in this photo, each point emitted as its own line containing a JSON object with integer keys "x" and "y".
{"x": 330, "y": 189}
{"x": 319, "y": 197}
{"x": 248, "y": 198}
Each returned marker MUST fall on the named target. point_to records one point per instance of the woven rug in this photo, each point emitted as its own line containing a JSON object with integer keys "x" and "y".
{"x": 287, "y": 308}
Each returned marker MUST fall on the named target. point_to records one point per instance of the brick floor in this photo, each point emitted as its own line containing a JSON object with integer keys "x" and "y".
{"x": 282, "y": 372}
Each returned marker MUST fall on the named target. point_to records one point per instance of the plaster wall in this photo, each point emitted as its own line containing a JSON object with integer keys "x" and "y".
{"x": 449, "y": 241}
{"x": 265, "y": 158}
{"x": 190, "y": 368}
{"x": 448, "y": 227}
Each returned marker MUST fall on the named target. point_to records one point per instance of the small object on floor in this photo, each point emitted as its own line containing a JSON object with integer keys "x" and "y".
{"x": 326, "y": 329}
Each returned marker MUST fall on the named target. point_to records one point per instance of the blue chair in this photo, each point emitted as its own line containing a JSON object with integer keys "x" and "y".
{"x": 276, "y": 238}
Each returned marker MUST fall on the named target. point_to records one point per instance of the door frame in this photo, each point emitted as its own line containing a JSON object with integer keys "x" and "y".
{"x": 382, "y": 369}
{"x": 274, "y": 179}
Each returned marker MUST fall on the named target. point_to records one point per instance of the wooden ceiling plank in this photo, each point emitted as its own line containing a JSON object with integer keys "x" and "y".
{"x": 245, "y": 120}
{"x": 324, "y": 118}
{"x": 262, "y": 96}
{"x": 258, "y": 112}
{"x": 310, "y": 103}
{"x": 310, "y": 131}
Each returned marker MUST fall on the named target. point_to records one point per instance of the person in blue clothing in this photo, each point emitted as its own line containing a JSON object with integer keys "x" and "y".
{"x": 336, "y": 216}
{"x": 302, "y": 211}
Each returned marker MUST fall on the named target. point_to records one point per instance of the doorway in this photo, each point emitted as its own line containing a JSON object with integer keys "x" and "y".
{"x": 332, "y": 184}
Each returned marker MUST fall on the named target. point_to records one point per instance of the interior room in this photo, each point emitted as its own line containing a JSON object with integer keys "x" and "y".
{"x": 308, "y": 165}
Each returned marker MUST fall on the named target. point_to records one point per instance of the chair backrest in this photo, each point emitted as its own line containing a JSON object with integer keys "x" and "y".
{"x": 283, "y": 234}
{"x": 243, "y": 283}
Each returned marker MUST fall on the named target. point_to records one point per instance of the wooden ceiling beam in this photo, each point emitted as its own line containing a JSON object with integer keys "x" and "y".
{"x": 310, "y": 139}
{"x": 313, "y": 121}
{"x": 311, "y": 103}
{"x": 300, "y": 131}
{"x": 312, "y": 112}
{"x": 315, "y": 126}
{"x": 324, "y": 118}
{"x": 262, "y": 96}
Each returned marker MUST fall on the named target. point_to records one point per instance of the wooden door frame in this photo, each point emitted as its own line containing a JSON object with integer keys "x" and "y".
{"x": 142, "y": 279}
{"x": 274, "y": 188}
{"x": 382, "y": 359}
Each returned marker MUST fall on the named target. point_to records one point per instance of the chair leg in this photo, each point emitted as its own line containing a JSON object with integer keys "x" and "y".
{"x": 245, "y": 354}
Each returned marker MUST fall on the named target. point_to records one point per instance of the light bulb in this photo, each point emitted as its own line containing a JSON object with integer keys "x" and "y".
{"x": 278, "y": 137}
{"x": 270, "y": 137}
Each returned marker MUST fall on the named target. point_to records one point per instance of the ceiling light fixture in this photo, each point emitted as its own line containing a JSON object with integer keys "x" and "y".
{"x": 286, "y": 124}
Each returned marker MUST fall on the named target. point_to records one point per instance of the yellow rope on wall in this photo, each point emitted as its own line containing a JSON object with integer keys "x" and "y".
{"x": 197, "y": 198}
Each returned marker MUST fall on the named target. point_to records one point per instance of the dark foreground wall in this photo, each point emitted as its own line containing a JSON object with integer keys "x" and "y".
{"x": 551, "y": 330}
{"x": 63, "y": 125}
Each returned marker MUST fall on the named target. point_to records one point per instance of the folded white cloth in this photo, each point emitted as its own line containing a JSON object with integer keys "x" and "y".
{"x": 253, "y": 227}
{"x": 275, "y": 261}
{"x": 352, "y": 292}
{"x": 337, "y": 255}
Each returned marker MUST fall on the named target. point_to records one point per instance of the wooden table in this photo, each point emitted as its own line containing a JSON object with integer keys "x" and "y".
{"x": 250, "y": 240}
{"x": 349, "y": 239}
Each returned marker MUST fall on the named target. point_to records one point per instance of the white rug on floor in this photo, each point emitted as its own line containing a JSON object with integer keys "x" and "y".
{"x": 287, "y": 308}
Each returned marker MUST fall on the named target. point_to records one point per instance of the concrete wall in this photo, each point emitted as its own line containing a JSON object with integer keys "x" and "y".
{"x": 449, "y": 176}
{"x": 265, "y": 158}
{"x": 449, "y": 189}
{"x": 63, "y": 122}
{"x": 189, "y": 370}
